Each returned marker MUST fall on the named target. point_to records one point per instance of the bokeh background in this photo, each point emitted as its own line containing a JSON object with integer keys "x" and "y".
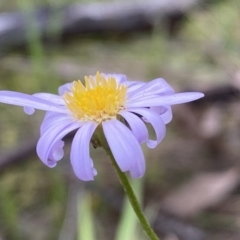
{"x": 191, "y": 189}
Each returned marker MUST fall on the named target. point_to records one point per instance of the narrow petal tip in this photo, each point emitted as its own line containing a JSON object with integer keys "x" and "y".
{"x": 197, "y": 95}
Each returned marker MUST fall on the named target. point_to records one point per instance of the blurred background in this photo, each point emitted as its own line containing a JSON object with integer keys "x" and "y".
{"x": 191, "y": 189}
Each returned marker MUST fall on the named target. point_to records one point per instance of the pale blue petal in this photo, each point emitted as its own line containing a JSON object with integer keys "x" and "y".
{"x": 157, "y": 123}
{"x": 81, "y": 162}
{"x": 133, "y": 86}
{"x": 125, "y": 148}
{"x": 46, "y": 96}
{"x": 150, "y": 101}
{"x": 25, "y": 100}
{"x": 138, "y": 170}
{"x": 155, "y": 87}
{"x": 137, "y": 126}
{"x": 64, "y": 88}
{"x": 52, "y": 136}
{"x": 50, "y": 97}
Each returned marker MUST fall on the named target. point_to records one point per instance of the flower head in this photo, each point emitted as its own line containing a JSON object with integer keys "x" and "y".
{"x": 100, "y": 99}
{"x": 119, "y": 106}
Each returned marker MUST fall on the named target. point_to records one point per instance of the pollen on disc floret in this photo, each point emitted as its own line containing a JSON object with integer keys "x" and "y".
{"x": 100, "y": 99}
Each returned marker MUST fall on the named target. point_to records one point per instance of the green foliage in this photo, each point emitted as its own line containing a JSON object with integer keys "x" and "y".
{"x": 85, "y": 226}
{"x": 127, "y": 227}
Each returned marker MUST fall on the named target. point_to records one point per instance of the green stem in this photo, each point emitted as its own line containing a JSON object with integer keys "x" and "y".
{"x": 128, "y": 189}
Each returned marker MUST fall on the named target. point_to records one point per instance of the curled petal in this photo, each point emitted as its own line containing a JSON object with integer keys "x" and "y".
{"x": 125, "y": 148}
{"x": 165, "y": 113}
{"x": 157, "y": 123}
{"x": 29, "y": 110}
{"x": 46, "y": 146}
{"x": 155, "y": 100}
{"x": 81, "y": 162}
{"x": 57, "y": 152}
{"x": 25, "y": 100}
{"x": 50, "y": 119}
{"x": 137, "y": 126}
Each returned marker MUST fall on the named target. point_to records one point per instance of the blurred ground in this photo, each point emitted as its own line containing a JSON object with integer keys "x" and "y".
{"x": 192, "y": 176}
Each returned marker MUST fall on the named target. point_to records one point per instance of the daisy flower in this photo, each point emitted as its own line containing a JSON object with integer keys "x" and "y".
{"x": 121, "y": 108}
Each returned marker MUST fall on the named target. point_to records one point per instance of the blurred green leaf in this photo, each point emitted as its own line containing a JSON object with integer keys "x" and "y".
{"x": 127, "y": 228}
{"x": 85, "y": 218}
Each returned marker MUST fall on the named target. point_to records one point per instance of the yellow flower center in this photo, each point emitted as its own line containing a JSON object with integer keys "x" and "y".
{"x": 99, "y": 100}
